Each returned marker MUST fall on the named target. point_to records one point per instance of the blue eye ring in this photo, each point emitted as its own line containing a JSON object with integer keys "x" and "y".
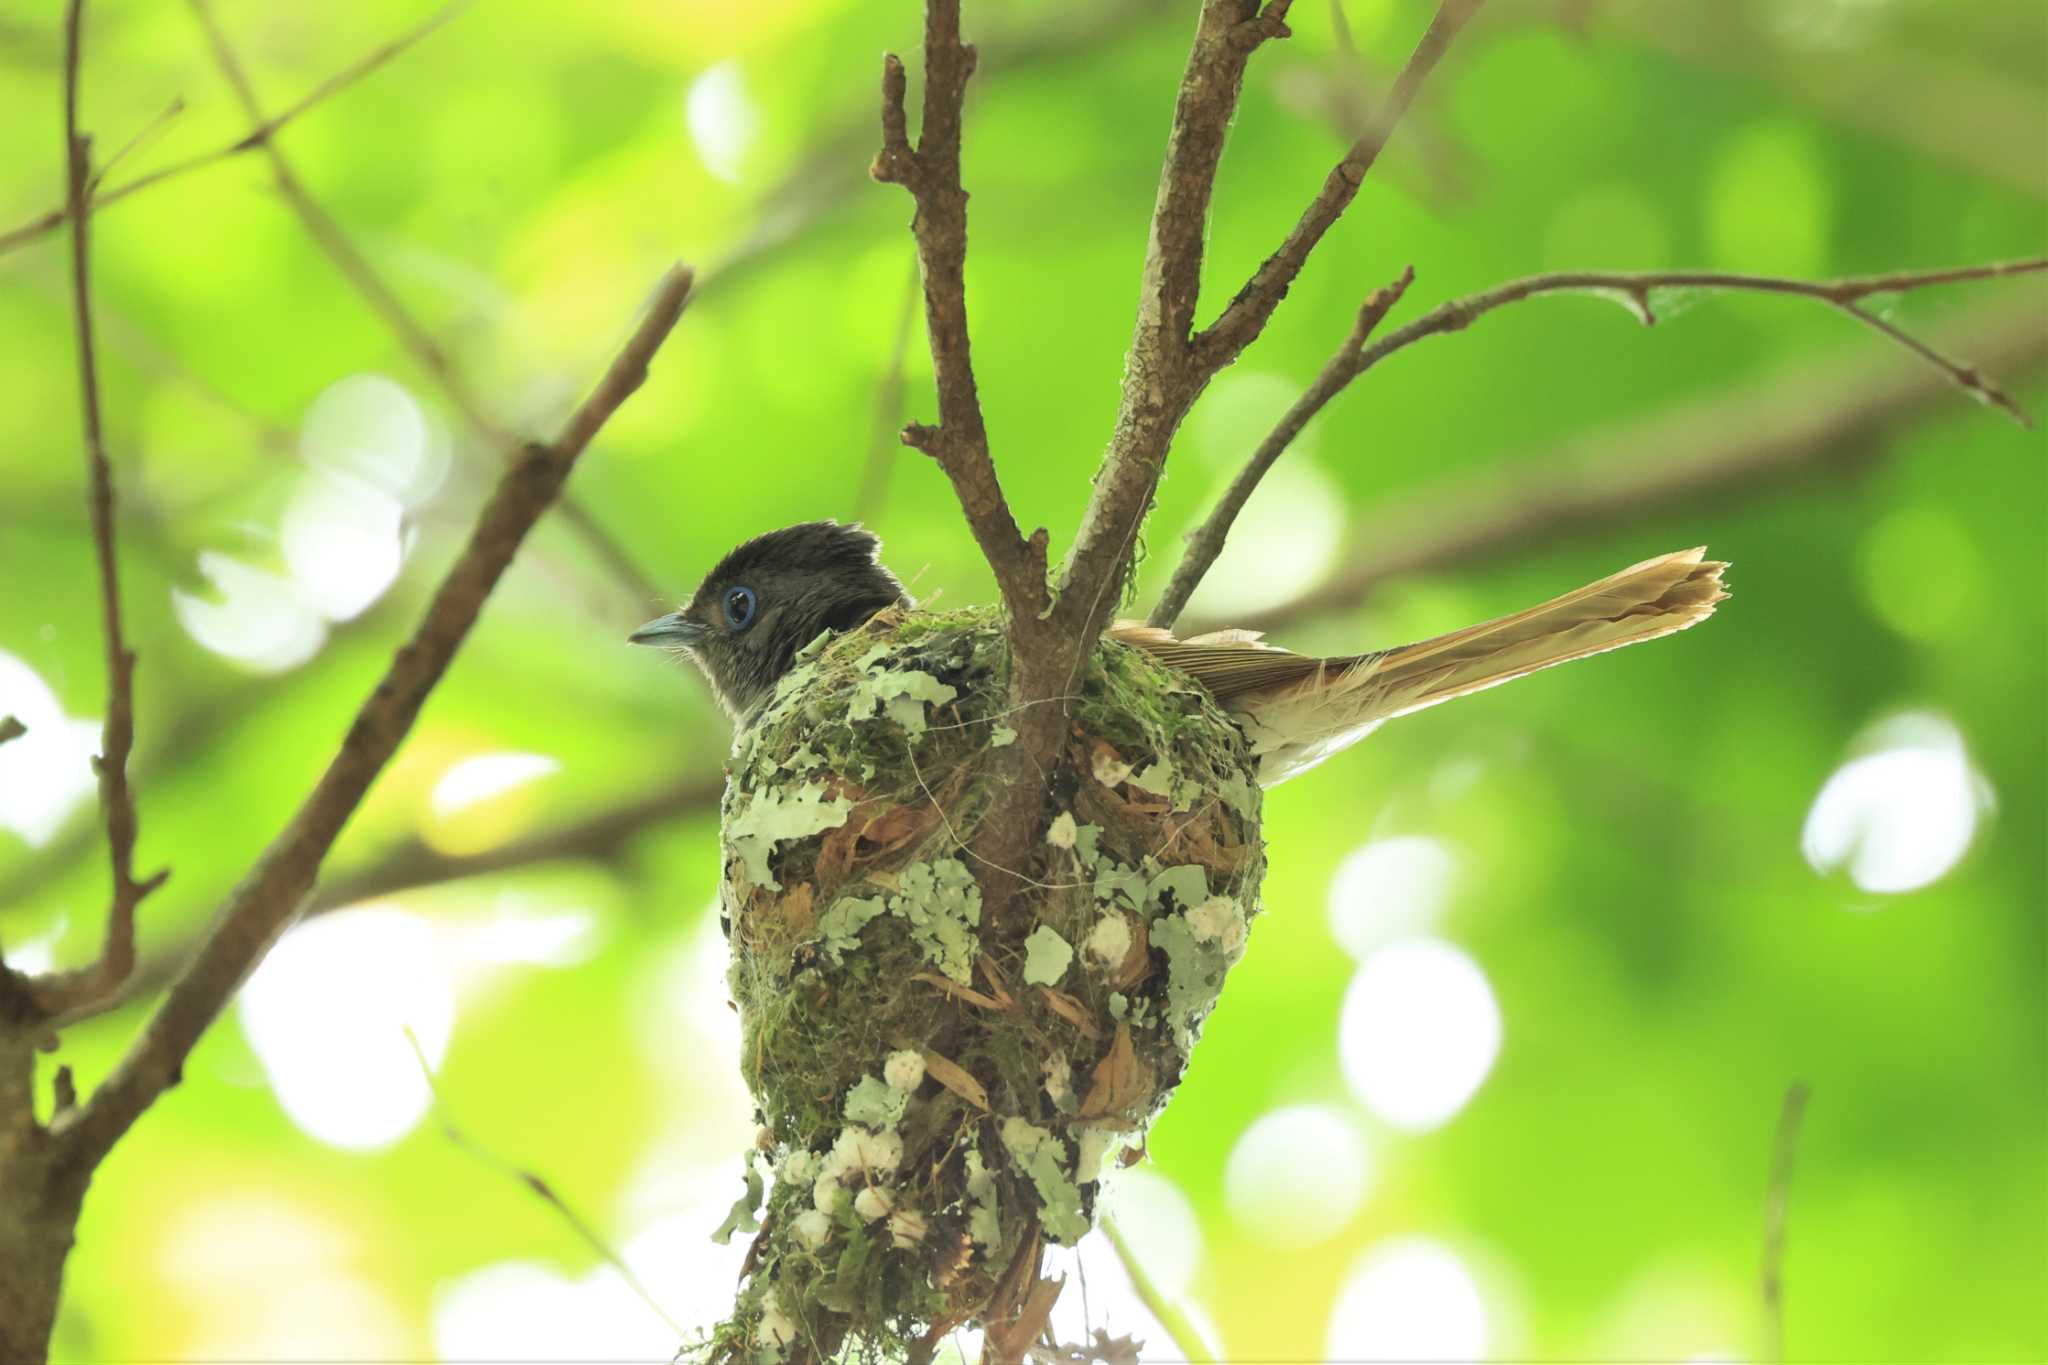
{"x": 738, "y": 604}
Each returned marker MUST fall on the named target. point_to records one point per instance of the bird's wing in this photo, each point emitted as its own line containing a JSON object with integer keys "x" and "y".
{"x": 1227, "y": 663}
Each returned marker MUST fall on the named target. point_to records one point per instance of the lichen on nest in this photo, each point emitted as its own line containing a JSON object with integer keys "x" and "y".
{"x": 939, "y": 1092}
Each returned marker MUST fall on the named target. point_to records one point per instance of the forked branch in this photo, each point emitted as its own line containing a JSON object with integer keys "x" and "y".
{"x": 1639, "y": 292}
{"x": 61, "y": 992}
{"x": 930, "y": 171}
{"x": 267, "y": 901}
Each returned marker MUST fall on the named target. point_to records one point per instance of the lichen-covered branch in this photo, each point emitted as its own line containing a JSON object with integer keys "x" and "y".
{"x": 1821, "y": 418}
{"x": 1206, "y": 541}
{"x": 57, "y": 993}
{"x": 45, "y": 223}
{"x": 271, "y": 896}
{"x": 1636, "y": 289}
{"x": 426, "y": 352}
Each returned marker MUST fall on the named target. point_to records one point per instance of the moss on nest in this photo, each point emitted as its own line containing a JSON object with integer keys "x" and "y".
{"x": 938, "y": 1092}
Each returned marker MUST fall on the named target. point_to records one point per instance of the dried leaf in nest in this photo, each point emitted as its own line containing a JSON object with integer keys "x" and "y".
{"x": 1009, "y": 1341}
{"x": 1070, "y": 1009}
{"x": 1100, "y": 1349}
{"x": 1137, "y": 963}
{"x": 955, "y": 1078}
{"x": 1122, "y": 1087}
{"x": 960, "y": 992}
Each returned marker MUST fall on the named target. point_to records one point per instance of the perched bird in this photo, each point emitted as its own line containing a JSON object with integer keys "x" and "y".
{"x": 779, "y": 591}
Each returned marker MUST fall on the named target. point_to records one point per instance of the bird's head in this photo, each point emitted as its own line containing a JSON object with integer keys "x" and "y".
{"x": 768, "y": 599}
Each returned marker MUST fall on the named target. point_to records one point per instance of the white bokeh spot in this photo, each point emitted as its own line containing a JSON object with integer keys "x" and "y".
{"x": 326, "y": 1014}
{"x": 1297, "y": 1175}
{"x": 1419, "y": 1032}
{"x": 1410, "y": 1299}
{"x": 1288, "y": 534}
{"x": 1389, "y": 889}
{"x": 46, "y": 772}
{"x": 260, "y": 620}
{"x": 483, "y": 776}
{"x": 722, "y": 120}
{"x": 1901, "y": 815}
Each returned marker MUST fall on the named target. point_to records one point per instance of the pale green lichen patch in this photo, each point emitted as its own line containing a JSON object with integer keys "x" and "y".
{"x": 875, "y": 1103}
{"x": 1046, "y": 957}
{"x": 773, "y": 817}
{"x": 942, "y": 904}
{"x": 1043, "y": 1157}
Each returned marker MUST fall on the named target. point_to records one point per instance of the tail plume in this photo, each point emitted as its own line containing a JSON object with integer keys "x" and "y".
{"x": 1648, "y": 600}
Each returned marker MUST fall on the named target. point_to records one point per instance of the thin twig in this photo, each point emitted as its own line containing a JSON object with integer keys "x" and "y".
{"x": 884, "y": 438}
{"x": 930, "y": 171}
{"x": 44, "y": 224}
{"x": 143, "y": 136}
{"x": 1776, "y": 1203}
{"x": 1178, "y": 1324}
{"x": 1637, "y": 290}
{"x": 270, "y": 897}
{"x": 540, "y": 1188}
{"x": 61, "y": 992}
{"x": 426, "y": 352}
{"x": 1241, "y": 322}
{"x": 1729, "y": 445}
{"x": 1206, "y": 541}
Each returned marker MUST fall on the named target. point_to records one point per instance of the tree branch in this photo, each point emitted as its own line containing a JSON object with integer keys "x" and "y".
{"x": 1206, "y": 541}
{"x": 59, "y": 992}
{"x": 1734, "y": 444}
{"x": 1241, "y": 322}
{"x": 44, "y": 224}
{"x": 272, "y": 894}
{"x": 930, "y": 171}
{"x": 1637, "y": 291}
{"x": 11, "y": 729}
{"x": 1167, "y": 370}
{"x": 426, "y": 352}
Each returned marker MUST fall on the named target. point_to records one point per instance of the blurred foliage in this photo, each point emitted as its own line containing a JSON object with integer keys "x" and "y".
{"x": 1626, "y": 835}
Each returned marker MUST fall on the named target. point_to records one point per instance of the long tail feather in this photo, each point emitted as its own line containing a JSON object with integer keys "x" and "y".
{"x": 1650, "y": 599}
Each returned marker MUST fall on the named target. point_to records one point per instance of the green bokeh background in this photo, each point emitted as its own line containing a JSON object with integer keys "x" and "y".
{"x": 1626, "y": 834}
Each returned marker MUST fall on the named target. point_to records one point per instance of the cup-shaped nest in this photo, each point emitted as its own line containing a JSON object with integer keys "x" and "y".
{"x": 939, "y": 1089}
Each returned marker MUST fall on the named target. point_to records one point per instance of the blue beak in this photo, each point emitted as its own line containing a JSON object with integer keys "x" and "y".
{"x": 674, "y": 631}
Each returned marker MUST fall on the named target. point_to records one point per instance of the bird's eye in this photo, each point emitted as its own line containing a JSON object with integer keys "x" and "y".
{"x": 739, "y": 608}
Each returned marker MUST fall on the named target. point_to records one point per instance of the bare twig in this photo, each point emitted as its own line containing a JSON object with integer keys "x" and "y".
{"x": 1167, "y": 369}
{"x": 1736, "y": 444}
{"x": 1206, "y": 541}
{"x": 1186, "y": 1337}
{"x": 142, "y": 138}
{"x": 1246, "y": 315}
{"x": 11, "y": 728}
{"x": 60, "y": 992}
{"x": 540, "y": 1188}
{"x": 884, "y": 439}
{"x": 271, "y": 896}
{"x": 1637, "y": 290}
{"x": 44, "y": 224}
{"x": 931, "y": 172}
{"x": 426, "y": 352}
{"x": 1776, "y": 1202}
